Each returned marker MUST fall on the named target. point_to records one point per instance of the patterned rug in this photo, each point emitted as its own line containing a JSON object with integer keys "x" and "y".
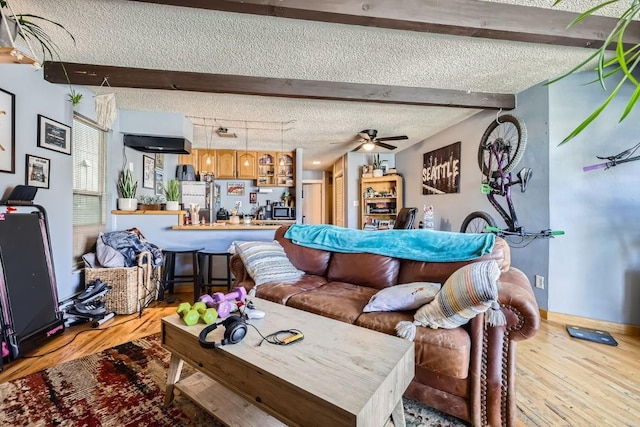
{"x": 124, "y": 386}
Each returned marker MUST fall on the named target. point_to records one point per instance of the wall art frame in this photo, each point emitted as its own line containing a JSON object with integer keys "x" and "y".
{"x": 7, "y": 132}
{"x": 54, "y": 135}
{"x": 148, "y": 172}
{"x": 37, "y": 171}
{"x": 441, "y": 170}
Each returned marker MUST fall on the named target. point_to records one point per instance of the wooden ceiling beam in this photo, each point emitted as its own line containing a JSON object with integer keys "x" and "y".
{"x": 471, "y": 18}
{"x": 140, "y": 78}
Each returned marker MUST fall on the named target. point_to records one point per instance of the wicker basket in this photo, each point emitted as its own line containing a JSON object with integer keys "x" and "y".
{"x": 132, "y": 288}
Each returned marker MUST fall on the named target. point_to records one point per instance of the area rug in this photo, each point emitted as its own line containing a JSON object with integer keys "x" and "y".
{"x": 124, "y": 386}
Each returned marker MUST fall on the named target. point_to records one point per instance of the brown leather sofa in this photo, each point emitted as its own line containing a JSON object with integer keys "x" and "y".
{"x": 468, "y": 372}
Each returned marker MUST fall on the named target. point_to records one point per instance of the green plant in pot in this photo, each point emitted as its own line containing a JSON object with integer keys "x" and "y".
{"x": 616, "y": 60}
{"x": 16, "y": 26}
{"x": 127, "y": 189}
{"x": 377, "y": 166}
{"x": 172, "y": 193}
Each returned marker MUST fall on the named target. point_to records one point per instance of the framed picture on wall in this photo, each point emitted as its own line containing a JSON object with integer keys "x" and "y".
{"x": 235, "y": 189}
{"x": 159, "y": 182}
{"x": 7, "y": 132}
{"x": 160, "y": 161}
{"x": 53, "y": 135}
{"x": 37, "y": 171}
{"x": 148, "y": 172}
{"x": 441, "y": 170}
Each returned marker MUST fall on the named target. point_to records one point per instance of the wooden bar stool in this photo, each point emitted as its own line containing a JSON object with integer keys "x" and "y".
{"x": 206, "y": 278}
{"x": 169, "y": 276}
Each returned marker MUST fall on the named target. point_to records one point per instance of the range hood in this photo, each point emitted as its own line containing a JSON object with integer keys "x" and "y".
{"x": 158, "y": 144}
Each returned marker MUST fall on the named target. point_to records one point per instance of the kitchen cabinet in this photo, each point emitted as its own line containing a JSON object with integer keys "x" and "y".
{"x": 266, "y": 169}
{"x": 286, "y": 169}
{"x": 226, "y": 164}
{"x": 381, "y": 200}
{"x": 247, "y": 164}
{"x": 190, "y": 159}
{"x": 206, "y": 163}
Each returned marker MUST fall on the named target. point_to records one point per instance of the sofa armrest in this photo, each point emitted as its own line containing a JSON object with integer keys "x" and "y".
{"x": 240, "y": 275}
{"x": 493, "y": 354}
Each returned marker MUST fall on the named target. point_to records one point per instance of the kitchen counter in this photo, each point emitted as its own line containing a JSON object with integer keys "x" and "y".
{"x": 225, "y": 225}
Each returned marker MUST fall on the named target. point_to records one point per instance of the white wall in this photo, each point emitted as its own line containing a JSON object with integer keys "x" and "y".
{"x": 598, "y": 261}
{"x": 33, "y": 96}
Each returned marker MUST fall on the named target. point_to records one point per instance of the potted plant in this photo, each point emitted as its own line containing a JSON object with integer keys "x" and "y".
{"x": 151, "y": 202}
{"x": 24, "y": 26}
{"x": 172, "y": 193}
{"x": 614, "y": 69}
{"x": 127, "y": 188}
{"x": 377, "y": 166}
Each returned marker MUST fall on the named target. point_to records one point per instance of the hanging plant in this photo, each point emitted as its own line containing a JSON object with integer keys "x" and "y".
{"x": 28, "y": 30}
{"x": 621, "y": 65}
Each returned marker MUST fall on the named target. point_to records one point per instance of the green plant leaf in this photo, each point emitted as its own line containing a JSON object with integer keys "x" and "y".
{"x": 595, "y": 114}
{"x": 631, "y": 103}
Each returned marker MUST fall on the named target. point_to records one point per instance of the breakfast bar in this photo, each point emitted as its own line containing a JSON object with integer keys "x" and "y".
{"x": 163, "y": 229}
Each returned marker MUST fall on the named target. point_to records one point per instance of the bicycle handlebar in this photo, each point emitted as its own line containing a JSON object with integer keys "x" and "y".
{"x": 543, "y": 233}
{"x": 594, "y": 167}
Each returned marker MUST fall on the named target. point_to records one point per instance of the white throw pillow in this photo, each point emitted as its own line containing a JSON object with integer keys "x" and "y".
{"x": 408, "y": 296}
{"x": 267, "y": 262}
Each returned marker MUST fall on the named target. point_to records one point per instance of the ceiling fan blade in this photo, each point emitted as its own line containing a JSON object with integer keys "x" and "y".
{"x": 358, "y": 147}
{"x": 383, "y": 145}
{"x": 393, "y": 138}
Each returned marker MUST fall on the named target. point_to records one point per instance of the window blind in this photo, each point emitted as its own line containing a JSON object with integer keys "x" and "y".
{"x": 89, "y": 210}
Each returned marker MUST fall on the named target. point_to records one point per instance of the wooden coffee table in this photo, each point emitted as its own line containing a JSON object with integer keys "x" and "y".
{"x": 339, "y": 375}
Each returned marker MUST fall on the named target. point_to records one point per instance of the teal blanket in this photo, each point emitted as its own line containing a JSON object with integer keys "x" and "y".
{"x": 418, "y": 245}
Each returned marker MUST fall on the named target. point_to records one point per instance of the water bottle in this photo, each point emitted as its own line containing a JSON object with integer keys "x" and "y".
{"x": 428, "y": 220}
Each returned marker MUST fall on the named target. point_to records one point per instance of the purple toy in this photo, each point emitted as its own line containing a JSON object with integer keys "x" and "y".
{"x": 222, "y": 302}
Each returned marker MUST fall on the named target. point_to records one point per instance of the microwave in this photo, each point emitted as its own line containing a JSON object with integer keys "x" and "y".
{"x": 283, "y": 212}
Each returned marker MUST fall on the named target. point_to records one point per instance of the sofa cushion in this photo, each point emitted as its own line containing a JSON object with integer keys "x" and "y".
{"x": 444, "y": 351}
{"x": 281, "y": 292}
{"x": 469, "y": 291}
{"x": 309, "y": 260}
{"x": 408, "y": 296}
{"x": 374, "y": 271}
{"x": 267, "y": 262}
{"x": 417, "y": 271}
{"x": 337, "y": 300}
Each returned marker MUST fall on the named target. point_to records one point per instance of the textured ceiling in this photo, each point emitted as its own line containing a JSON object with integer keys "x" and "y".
{"x": 142, "y": 35}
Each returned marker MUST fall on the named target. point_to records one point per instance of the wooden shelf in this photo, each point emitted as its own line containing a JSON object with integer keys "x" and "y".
{"x": 391, "y": 187}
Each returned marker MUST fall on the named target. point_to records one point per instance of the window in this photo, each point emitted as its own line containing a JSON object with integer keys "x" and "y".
{"x": 89, "y": 210}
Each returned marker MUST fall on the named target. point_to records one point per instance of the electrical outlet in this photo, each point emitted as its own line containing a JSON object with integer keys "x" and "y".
{"x": 539, "y": 282}
{"x": 356, "y": 203}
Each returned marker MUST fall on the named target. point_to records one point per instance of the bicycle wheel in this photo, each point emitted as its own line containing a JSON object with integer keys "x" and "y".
{"x": 508, "y": 135}
{"x": 476, "y": 222}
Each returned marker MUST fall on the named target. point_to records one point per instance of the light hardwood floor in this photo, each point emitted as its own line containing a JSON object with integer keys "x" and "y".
{"x": 562, "y": 381}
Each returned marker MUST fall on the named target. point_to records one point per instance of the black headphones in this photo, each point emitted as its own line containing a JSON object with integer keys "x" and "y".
{"x": 235, "y": 330}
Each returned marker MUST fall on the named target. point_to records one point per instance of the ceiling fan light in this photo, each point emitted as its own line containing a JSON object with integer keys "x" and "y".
{"x": 368, "y": 146}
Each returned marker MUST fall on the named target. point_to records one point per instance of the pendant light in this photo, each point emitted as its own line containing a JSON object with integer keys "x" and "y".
{"x": 281, "y": 144}
{"x": 246, "y": 144}
{"x": 208, "y": 161}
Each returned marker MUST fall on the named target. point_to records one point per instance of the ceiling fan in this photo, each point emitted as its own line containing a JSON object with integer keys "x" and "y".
{"x": 370, "y": 140}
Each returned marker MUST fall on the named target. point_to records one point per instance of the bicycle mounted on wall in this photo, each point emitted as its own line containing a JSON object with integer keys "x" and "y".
{"x": 501, "y": 148}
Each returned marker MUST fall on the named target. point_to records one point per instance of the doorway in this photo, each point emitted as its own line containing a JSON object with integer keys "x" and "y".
{"x": 313, "y": 202}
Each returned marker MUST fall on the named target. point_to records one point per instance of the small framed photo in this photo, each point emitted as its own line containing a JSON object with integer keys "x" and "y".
{"x": 7, "y": 131}
{"x": 54, "y": 135}
{"x": 235, "y": 189}
{"x": 253, "y": 198}
{"x": 160, "y": 161}
{"x": 37, "y": 171}
{"x": 148, "y": 172}
{"x": 159, "y": 182}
